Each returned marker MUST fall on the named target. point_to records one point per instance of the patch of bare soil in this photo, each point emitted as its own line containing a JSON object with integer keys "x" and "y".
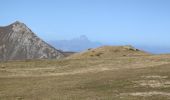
{"x": 153, "y": 81}
{"x": 146, "y": 94}
{"x": 155, "y": 77}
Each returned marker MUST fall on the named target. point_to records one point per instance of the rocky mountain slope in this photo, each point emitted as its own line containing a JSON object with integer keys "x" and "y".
{"x": 18, "y": 42}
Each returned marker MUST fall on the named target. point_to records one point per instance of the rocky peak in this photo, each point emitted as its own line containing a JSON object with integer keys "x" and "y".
{"x": 17, "y": 22}
{"x": 18, "y": 26}
{"x": 17, "y": 41}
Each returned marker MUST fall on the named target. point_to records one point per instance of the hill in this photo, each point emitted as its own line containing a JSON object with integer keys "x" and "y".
{"x": 109, "y": 52}
{"x": 18, "y": 42}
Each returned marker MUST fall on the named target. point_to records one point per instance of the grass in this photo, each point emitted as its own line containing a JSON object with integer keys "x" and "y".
{"x": 84, "y": 79}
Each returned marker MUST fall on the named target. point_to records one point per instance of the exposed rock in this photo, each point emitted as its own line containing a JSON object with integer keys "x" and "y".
{"x": 18, "y": 42}
{"x": 129, "y": 47}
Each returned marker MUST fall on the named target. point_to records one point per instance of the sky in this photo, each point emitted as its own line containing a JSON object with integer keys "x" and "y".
{"x": 136, "y": 22}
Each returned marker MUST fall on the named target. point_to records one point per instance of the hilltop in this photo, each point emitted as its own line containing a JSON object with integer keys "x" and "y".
{"x": 109, "y": 52}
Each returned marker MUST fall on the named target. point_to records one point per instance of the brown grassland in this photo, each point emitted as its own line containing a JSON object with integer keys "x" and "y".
{"x": 97, "y": 76}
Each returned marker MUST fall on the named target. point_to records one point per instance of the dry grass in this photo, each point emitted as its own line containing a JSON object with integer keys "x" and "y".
{"x": 109, "y": 52}
{"x": 107, "y": 78}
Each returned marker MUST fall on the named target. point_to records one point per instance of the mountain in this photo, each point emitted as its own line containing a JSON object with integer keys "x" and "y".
{"x": 109, "y": 52}
{"x": 76, "y": 45}
{"x": 18, "y": 42}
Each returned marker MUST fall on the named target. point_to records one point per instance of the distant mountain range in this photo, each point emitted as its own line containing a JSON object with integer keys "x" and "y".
{"x": 76, "y": 44}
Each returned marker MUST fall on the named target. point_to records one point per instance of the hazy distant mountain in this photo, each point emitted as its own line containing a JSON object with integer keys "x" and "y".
{"x": 77, "y": 44}
{"x": 18, "y": 42}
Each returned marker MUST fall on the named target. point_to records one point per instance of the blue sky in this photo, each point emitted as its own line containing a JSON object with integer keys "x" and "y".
{"x": 136, "y": 22}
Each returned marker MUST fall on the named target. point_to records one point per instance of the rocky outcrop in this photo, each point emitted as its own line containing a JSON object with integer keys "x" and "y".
{"x": 18, "y": 42}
